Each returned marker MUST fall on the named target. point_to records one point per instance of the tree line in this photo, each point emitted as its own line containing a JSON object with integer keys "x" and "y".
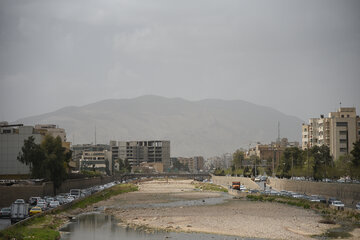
{"x": 315, "y": 162}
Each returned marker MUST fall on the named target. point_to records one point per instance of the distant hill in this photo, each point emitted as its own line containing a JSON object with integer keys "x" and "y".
{"x": 207, "y": 127}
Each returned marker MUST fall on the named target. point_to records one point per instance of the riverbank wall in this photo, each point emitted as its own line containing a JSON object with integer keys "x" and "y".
{"x": 349, "y": 193}
{"x": 8, "y": 194}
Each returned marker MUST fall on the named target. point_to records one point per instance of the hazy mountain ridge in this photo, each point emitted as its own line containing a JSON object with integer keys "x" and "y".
{"x": 206, "y": 127}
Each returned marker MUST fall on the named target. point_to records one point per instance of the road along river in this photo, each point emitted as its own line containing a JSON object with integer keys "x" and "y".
{"x": 176, "y": 210}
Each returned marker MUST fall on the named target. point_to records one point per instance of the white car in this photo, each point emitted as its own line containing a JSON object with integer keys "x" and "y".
{"x": 69, "y": 199}
{"x": 54, "y": 204}
{"x": 358, "y": 206}
{"x": 337, "y": 204}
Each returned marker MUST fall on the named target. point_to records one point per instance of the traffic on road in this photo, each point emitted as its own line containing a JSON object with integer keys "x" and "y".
{"x": 21, "y": 209}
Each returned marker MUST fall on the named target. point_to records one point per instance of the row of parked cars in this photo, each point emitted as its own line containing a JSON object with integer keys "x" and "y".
{"x": 20, "y": 209}
{"x": 333, "y": 202}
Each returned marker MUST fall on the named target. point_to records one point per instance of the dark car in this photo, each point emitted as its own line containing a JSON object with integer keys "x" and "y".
{"x": 5, "y": 212}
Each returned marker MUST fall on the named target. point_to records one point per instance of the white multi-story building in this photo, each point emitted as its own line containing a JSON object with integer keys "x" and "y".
{"x": 12, "y": 139}
{"x": 338, "y": 131}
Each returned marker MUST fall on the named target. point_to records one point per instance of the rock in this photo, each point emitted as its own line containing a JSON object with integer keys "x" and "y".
{"x": 188, "y": 226}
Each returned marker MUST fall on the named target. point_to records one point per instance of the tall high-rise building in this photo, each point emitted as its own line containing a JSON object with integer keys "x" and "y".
{"x": 338, "y": 131}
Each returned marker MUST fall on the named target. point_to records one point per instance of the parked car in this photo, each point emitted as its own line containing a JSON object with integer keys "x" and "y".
{"x": 358, "y": 206}
{"x": 331, "y": 200}
{"x": 338, "y": 204}
{"x": 5, "y": 212}
{"x": 35, "y": 210}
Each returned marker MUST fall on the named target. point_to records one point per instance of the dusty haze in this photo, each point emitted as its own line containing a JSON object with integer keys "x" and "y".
{"x": 299, "y": 57}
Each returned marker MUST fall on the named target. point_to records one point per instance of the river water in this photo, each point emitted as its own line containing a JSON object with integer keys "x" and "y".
{"x": 96, "y": 225}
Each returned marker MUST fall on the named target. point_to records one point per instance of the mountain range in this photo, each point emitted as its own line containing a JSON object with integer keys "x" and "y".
{"x": 207, "y": 127}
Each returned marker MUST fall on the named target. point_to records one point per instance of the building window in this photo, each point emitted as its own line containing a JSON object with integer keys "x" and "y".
{"x": 343, "y": 132}
{"x": 348, "y": 115}
{"x": 341, "y": 124}
{"x": 343, "y": 140}
{"x": 342, "y": 116}
{"x": 343, "y": 150}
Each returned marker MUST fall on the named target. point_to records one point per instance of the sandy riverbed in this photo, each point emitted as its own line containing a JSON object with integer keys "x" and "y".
{"x": 233, "y": 217}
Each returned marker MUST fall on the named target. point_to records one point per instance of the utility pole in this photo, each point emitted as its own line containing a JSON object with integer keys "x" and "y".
{"x": 292, "y": 165}
{"x": 95, "y": 134}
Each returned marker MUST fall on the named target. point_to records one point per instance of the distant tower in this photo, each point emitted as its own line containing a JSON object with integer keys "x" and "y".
{"x": 278, "y": 138}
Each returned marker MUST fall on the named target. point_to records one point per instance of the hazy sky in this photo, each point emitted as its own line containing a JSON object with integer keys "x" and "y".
{"x": 300, "y": 57}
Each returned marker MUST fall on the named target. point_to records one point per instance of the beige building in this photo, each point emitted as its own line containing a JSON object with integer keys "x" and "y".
{"x": 338, "y": 131}
{"x": 96, "y": 160}
{"x": 137, "y": 152}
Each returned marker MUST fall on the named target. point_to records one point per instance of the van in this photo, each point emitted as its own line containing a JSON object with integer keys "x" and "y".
{"x": 75, "y": 193}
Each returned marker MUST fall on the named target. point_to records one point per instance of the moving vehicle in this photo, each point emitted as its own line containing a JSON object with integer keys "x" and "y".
{"x": 54, "y": 204}
{"x": 33, "y": 201}
{"x": 75, "y": 193}
{"x": 35, "y": 210}
{"x": 19, "y": 211}
{"x": 5, "y": 212}
{"x": 235, "y": 185}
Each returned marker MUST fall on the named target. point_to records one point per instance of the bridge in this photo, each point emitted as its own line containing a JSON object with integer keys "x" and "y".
{"x": 198, "y": 176}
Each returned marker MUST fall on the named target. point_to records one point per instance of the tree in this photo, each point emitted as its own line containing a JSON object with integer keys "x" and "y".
{"x": 32, "y": 155}
{"x": 238, "y": 158}
{"x": 127, "y": 166}
{"x": 356, "y": 154}
{"x": 48, "y": 160}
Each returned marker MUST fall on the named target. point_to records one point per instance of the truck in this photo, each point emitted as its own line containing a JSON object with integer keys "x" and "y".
{"x": 235, "y": 185}
{"x": 19, "y": 211}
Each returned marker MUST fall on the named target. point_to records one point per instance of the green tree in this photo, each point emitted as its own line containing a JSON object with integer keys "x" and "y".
{"x": 238, "y": 158}
{"x": 356, "y": 154}
{"x": 322, "y": 161}
{"x": 32, "y": 155}
{"x": 127, "y": 166}
{"x": 48, "y": 160}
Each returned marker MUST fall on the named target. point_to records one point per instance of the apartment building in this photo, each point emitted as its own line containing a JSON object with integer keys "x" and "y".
{"x": 195, "y": 164}
{"x": 137, "y": 152}
{"x": 338, "y": 131}
{"x": 12, "y": 139}
{"x": 96, "y": 161}
{"x": 78, "y": 150}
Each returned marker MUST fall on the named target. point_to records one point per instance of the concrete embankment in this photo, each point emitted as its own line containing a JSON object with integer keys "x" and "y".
{"x": 349, "y": 193}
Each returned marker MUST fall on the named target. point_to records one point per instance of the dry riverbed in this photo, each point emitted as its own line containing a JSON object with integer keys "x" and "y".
{"x": 149, "y": 207}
